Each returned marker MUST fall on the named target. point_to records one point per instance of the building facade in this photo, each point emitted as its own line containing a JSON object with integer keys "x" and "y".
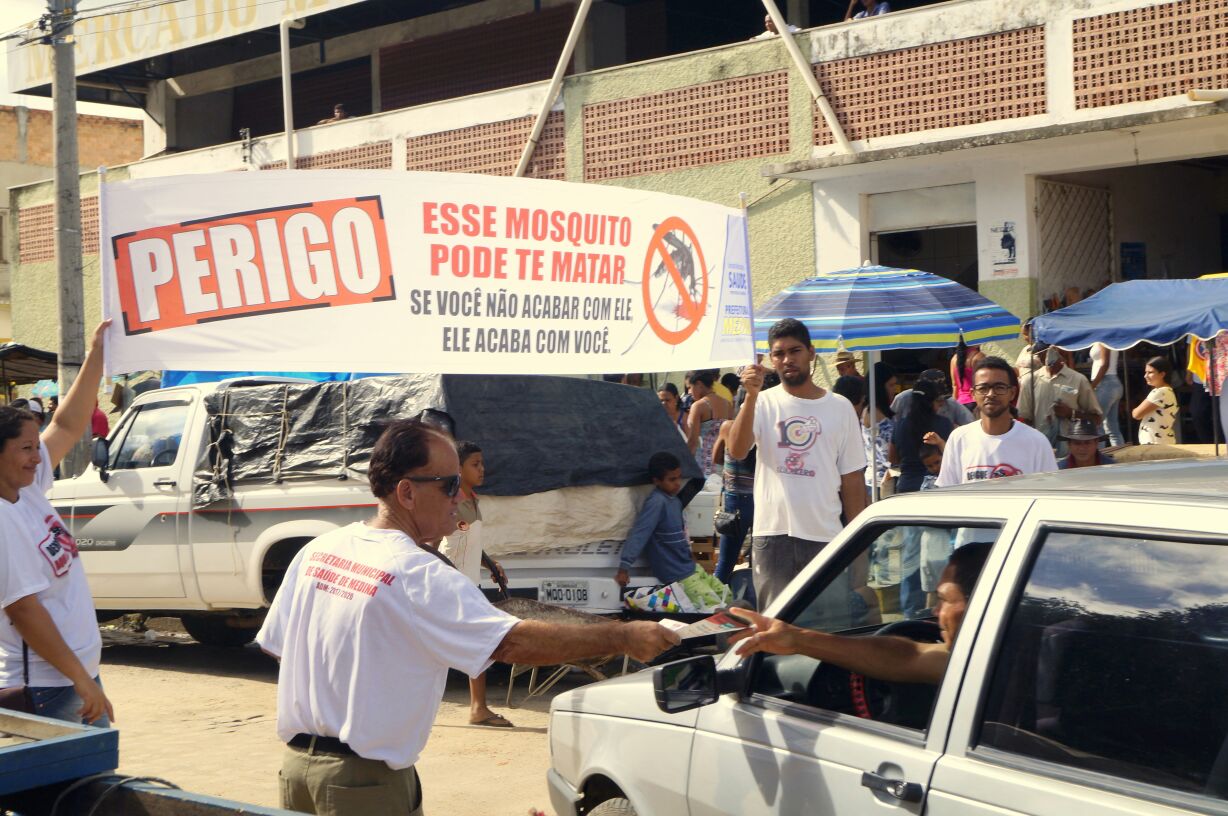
{"x": 26, "y": 143}
{"x": 1033, "y": 149}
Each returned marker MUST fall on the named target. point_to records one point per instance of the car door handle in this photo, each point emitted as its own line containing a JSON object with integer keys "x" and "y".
{"x": 895, "y": 788}
{"x": 165, "y": 482}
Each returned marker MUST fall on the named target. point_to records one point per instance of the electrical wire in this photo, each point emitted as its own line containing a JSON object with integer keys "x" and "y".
{"x": 134, "y": 3}
{"x": 111, "y": 10}
{"x": 117, "y": 782}
{"x": 131, "y": 6}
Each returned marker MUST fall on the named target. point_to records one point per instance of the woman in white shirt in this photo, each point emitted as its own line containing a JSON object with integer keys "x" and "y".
{"x": 1157, "y": 415}
{"x": 46, "y": 599}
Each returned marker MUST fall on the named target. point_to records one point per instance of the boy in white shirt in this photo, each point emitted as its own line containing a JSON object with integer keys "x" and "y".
{"x": 811, "y": 462}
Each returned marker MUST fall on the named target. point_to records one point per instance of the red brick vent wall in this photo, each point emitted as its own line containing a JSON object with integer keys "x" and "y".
{"x": 493, "y": 148}
{"x": 1150, "y": 53}
{"x": 373, "y": 156}
{"x": 36, "y": 231}
{"x": 730, "y": 119}
{"x": 942, "y": 85}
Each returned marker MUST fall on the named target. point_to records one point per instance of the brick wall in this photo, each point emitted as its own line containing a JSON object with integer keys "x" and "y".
{"x": 727, "y": 120}
{"x": 373, "y": 156}
{"x": 493, "y": 148}
{"x": 36, "y": 231}
{"x": 101, "y": 140}
{"x": 927, "y": 87}
{"x": 1150, "y": 53}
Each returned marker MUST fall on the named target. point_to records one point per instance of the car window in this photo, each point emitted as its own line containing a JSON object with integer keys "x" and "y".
{"x": 151, "y": 437}
{"x": 885, "y": 584}
{"x": 1115, "y": 660}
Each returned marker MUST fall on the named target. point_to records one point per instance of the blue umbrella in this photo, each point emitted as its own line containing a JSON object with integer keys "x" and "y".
{"x": 1121, "y": 315}
{"x": 877, "y": 307}
{"x": 46, "y": 388}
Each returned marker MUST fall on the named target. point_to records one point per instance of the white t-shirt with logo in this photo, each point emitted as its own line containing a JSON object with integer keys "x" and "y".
{"x": 366, "y": 625}
{"x": 805, "y": 445}
{"x": 40, "y": 558}
{"x": 972, "y": 455}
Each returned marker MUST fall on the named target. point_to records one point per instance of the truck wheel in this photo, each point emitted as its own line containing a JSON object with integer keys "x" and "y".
{"x": 212, "y": 630}
{"x": 614, "y": 807}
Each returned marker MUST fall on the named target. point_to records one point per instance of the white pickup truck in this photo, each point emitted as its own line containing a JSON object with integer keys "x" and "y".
{"x": 147, "y": 548}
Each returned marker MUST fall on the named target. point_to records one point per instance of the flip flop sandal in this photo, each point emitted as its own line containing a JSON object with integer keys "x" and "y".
{"x": 494, "y": 721}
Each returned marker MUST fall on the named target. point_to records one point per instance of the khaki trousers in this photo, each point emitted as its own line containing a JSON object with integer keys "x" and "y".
{"x": 334, "y": 785}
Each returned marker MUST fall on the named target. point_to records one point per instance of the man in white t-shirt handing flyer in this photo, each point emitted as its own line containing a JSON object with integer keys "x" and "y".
{"x": 367, "y": 622}
{"x": 811, "y": 463}
{"x": 997, "y": 445}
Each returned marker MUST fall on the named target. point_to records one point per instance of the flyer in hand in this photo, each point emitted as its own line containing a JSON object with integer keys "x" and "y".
{"x": 720, "y": 623}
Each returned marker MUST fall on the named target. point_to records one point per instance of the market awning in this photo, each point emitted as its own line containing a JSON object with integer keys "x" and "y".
{"x": 22, "y": 365}
{"x": 1122, "y": 315}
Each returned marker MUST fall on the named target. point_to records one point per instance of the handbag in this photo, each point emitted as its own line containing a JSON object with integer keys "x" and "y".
{"x": 19, "y": 698}
{"x": 726, "y": 523}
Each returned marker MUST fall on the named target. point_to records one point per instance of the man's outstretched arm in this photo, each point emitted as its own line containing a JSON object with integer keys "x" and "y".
{"x": 537, "y": 643}
{"x": 893, "y": 659}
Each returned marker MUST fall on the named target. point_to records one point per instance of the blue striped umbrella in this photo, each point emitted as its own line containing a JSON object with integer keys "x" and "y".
{"x": 877, "y": 307}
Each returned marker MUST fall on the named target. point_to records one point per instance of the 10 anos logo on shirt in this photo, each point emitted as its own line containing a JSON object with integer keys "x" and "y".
{"x": 797, "y": 435}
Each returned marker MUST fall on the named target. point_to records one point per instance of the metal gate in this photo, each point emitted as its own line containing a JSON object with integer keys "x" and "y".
{"x": 1075, "y": 224}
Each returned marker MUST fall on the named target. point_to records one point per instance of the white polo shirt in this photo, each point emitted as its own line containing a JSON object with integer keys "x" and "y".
{"x": 366, "y": 625}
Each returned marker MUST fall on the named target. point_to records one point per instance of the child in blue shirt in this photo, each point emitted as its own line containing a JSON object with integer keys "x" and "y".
{"x": 660, "y": 533}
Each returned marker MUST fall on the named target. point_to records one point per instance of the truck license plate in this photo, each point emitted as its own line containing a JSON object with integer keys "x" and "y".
{"x": 564, "y": 593}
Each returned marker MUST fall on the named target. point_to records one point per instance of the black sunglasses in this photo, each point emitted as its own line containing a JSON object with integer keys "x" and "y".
{"x": 450, "y": 484}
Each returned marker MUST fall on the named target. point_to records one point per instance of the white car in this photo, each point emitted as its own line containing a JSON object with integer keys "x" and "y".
{"x": 1089, "y": 676}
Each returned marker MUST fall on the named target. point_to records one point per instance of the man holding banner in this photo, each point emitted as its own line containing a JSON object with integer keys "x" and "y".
{"x": 811, "y": 464}
{"x": 389, "y": 272}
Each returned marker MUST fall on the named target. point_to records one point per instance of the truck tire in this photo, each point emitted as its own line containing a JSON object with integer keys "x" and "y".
{"x": 211, "y": 630}
{"x": 614, "y": 807}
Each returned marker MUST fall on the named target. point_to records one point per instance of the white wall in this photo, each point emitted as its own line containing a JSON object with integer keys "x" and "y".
{"x": 1165, "y": 208}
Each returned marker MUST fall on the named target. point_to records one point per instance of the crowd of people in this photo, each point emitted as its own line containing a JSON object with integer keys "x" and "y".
{"x": 796, "y": 462}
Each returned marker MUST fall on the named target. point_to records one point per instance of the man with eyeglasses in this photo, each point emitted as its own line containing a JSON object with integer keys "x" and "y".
{"x": 369, "y": 619}
{"x": 996, "y": 445}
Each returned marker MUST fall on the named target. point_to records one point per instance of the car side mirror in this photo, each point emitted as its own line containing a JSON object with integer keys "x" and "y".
{"x": 692, "y": 683}
{"x": 100, "y": 456}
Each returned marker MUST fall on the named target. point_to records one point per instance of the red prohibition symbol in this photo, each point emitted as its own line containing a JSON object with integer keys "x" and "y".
{"x": 685, "y": 267}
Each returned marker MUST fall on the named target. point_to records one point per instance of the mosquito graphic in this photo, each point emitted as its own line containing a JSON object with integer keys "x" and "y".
{"x": 684, "y": 261}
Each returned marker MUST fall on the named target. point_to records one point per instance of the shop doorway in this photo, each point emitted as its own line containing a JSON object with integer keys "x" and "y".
{"x": 946, "y": 251}
{"x": 1150, "y": 221}
{"x": 1075, "y": 224}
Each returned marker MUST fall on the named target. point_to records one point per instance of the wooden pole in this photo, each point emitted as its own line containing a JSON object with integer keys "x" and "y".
{"x": 68, "y": 211}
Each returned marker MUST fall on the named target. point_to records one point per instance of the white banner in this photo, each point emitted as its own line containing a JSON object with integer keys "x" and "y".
{"x": 382, "y": 271}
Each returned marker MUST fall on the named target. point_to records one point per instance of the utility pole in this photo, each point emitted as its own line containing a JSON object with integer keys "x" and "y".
{"x": 67, "y": 210}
